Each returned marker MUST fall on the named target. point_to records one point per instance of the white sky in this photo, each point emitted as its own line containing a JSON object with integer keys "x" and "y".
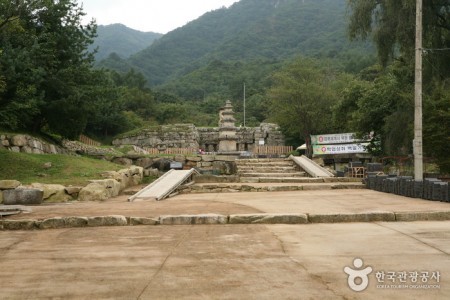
{"x": 159, "y": 16}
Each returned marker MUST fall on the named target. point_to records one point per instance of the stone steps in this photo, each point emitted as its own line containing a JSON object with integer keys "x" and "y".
{"x": 269, "y": 170}
{"x": 254, "y": 187}
{"x": 274, "y": 175}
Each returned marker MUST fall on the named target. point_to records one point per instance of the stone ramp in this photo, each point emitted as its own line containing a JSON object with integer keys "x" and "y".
{"x": 164, "y": 185}
{"x": 311, "y": 167}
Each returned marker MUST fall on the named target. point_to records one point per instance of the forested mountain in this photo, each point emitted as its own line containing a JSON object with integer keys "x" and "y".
{"x": 123, "y": 41}
{"x": 250, "y": 30}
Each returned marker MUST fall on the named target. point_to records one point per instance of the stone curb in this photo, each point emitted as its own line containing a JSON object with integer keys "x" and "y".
{"x": 210, "y": 219}
{"x": 193, "y": 219}
{"x": 352, "y": 217}
{"x": 268, "y": 219}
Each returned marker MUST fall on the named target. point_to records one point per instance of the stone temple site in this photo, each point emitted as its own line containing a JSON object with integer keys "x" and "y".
{"x": 231, "y": 212}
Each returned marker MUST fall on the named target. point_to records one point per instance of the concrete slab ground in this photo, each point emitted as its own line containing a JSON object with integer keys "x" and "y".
{"x": 310, "y": 201}
{"x": 225, "y": 261}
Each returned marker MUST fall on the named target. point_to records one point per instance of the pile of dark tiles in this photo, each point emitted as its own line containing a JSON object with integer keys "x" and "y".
{"x": 430, "y": 189}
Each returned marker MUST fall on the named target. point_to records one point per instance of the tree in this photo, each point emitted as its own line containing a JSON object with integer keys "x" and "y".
{"x": 45, "y": 64}
{"x": 437, "y": 125}
{"x": 301, "y": 98}
{"x": 392, "y": 25}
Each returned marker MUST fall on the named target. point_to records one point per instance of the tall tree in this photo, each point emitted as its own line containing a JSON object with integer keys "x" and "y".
{"x": 45, "y": 63}
{"x": 301, "y": 99}
{"x": 392, "y": 25}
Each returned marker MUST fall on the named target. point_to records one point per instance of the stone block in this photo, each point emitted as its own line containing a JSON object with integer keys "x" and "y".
{"x": 53, "y": 193}
{"x": 142, "y": 221}
{"x": 19, "y": 224}
{"x": 107, "y": 221}
{"x": 19, "y": 140}
{"x": 76, "y": 222}
{"x": 180, "y": 158}
{"x": 9, "y": 184}
{"x": 22, "y": 197}
{"x": 193, "y": 219}
{"x": 73, "y": 190}
{"x": 15, "y": 149}
{"x": 52, "y": 223}
{"x": 111, "y": 186}
{"x": 194, "y": 158}
{"x": 1, "y": 197}
{"x": 144, "y": 162}
{"x": 208, "y": 158}
{"x": 352, "y": 217}
{"x": 422, "y": 216}
{"x": 93, "y": 192}
{"x": 268, "y": 219}
{"x": 250, "y": 179}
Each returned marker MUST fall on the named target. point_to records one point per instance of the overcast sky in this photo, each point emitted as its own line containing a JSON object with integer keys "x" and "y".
{"x": 159, "y": 16}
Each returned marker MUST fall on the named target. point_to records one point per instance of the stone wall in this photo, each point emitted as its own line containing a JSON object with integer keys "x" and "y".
{"x": 207, "y": 138}
{"x": 163, "y": 137}
{"x": 217, "y": 164}
{"x": 28, "y": 144}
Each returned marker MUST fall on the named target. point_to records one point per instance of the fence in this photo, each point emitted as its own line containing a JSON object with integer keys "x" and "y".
{"x": 272, "y": 150}
{"x": 85, "y": 140}
{"x": 183, "y": 151}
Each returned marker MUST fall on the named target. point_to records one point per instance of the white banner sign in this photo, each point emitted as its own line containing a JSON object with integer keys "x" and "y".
{"x": 340, "y": 138}
{"x": 340, "y": 149}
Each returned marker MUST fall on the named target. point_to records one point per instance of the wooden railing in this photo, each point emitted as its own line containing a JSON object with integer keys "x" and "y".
{"x": 85, "y": 140}
{"x": 272, "y": 150}
{"x": 183, "y": 151}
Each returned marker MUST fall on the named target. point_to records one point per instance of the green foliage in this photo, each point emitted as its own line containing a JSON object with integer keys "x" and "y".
{"x": 250, "y": 30}
{"x": 301, "y": 99}
{"x": 45, "y": 65}
{"x": 392, "y": 25}
{"x": 437, "y": 125}
{"x": 386, "y": 99}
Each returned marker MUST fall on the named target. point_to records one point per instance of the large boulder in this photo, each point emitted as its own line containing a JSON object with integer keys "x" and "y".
{"x": 225, "y": 167}
{"x": 19, "y": 140}
{"x": 144, "y": 162}
{"x": 22, "y": 197}
{"x": 162, "y": 164}
{"x": 112, "y": 186}
{"x": 137, "y": 174}
{"x": 9, "y": 184}
{"x": 93, "y": 192}
{"x": 53, "y": 193}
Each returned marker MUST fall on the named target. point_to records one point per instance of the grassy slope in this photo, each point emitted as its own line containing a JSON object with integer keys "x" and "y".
{"x": 65, "y": 170}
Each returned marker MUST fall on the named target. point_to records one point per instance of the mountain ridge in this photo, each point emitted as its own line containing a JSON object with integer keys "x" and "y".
{"x": 122, "y": 40}
{"x": 247, "y": 30}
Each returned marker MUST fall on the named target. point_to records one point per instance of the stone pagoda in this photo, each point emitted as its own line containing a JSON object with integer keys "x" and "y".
{"x": 227, "y": 129}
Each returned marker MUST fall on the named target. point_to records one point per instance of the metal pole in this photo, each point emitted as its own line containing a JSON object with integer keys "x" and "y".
{"x": 418, "y": 152}
{"x": 244, "y": 104}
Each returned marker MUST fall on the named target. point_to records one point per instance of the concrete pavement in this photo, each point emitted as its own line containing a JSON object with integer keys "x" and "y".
{"x": 224, "y": 261}
{"x": 320, "y": 206}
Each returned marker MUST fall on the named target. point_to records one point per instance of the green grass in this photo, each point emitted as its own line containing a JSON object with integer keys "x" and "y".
{"x": 65, "y": 170}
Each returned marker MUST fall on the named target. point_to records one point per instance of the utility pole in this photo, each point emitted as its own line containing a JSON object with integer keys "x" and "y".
{"x": 244, "y": 104}
{"x": 417, "y": 143}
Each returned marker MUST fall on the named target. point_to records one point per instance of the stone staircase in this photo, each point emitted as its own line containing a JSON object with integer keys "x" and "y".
{"x": 270, "y": 170}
